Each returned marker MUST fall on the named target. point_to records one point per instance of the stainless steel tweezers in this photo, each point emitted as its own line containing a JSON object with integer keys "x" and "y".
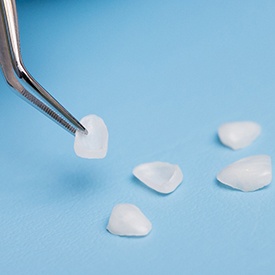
{"x": 15, "y": 71}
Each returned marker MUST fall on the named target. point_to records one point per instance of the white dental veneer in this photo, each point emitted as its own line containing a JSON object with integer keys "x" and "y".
{"x": 127, "y": 220}
{"x": 247, "y": 174}
{"x": 95, "y": 143}
{"x": 239, "y": 134}
{"x": 160, "y": 176}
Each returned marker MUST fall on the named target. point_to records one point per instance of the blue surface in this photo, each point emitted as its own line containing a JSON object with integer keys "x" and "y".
{"x": 163, "y": 75}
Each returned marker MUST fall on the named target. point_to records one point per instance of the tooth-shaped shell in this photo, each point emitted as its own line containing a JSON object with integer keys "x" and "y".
{"x": 160, "y": 176}
{"x": 95, "y": 143}
{"x": 127, "y": 220}
{"x": 240, "y": 134}
{"x": 248, "y": 174}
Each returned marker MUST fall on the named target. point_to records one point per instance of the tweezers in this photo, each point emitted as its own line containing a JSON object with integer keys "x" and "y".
{"x": 15, "y": 71}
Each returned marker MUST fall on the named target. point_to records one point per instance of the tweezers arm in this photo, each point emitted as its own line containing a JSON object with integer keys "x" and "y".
{"x": 11, "y": 21}
{"x": 11, "y": 77}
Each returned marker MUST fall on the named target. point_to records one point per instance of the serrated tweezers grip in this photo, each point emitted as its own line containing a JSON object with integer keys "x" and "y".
{"x": 47, "y": 111}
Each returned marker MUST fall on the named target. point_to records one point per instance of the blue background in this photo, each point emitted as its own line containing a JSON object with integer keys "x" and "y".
{"x": 163, "y": 75}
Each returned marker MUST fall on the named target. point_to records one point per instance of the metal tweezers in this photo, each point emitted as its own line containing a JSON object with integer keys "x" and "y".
{"x": 15, "y": 71}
